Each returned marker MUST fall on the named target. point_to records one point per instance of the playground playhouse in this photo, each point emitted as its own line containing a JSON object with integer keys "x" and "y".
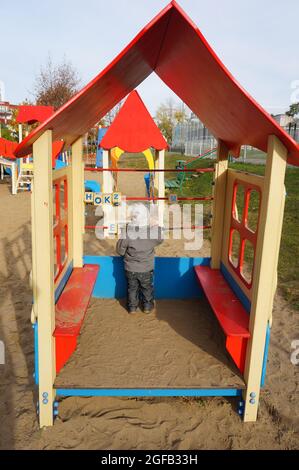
{"x": 173, "y": 47}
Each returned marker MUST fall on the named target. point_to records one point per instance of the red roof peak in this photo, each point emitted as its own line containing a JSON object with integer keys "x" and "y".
{"x": 133, "y": 129}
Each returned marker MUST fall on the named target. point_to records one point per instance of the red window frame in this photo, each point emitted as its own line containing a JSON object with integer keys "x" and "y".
{"x": 240, "y": 226}
{"x": 60, "y": 223}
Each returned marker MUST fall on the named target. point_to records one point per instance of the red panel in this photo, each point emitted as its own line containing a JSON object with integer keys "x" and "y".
{"x": 236, "y": 346}
{"x": 65, "y": 346}
{"x": 229, "y": 311}
{"x": 70, "y": 311}
{"x": 7, "y": 148}
{"x": 32, "y": 114}
{"x": 241, "y": 227}
{"x": 60, "y": 224}
{"x": 133, "y": 129}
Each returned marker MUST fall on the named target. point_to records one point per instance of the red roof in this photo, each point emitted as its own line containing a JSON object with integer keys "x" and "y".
{"x": 173, "y": 47}
{"x": 32, "y": 114}
{"x": 7, "y": 148}
{"x": 133, "y": 129}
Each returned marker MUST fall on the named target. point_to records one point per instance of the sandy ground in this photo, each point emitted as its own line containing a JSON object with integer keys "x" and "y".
{"x": 115, "y": 423}
{"x": 179, "y": 345}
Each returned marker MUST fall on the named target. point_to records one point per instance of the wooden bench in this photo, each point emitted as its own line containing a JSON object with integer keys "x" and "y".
{"x": 230, "y": 313}
{"x": 70, "y": 311}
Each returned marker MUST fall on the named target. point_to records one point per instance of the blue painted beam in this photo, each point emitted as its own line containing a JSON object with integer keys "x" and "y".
{"x": 148, "y": 392}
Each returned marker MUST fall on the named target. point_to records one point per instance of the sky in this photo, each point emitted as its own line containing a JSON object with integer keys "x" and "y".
{"x": 258, "y": 41}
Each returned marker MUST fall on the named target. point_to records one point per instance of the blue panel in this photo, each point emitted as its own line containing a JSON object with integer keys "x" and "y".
{"x": 148, "y": 392}
{"x": 63, "y": 282}
{"x": 174, "y": 277}
{"x": 92, "y": 185}
{"x": 111, "y": 280}
{"x": 35, "y": 333}
{"x": 59, "y": 164}
{"x": 7, "y": 171}
{"x": 147, "y": 179}
{"x": 236, "y": 288}
{"x": 266, "y": 351}
{"x": 99, "y": 158}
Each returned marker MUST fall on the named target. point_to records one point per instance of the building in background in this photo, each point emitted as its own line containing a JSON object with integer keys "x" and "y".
{"x": 6, "y": 111}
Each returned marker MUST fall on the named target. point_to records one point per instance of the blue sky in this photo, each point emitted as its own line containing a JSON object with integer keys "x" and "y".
{"x": 257, "y": 40}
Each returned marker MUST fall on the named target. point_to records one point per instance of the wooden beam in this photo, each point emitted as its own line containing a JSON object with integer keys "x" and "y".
{"x": 77, "y": 201}
{"x": 43, "y": 272}
{"x": 265, "y": 270}
{"x": 14, "y": 178}
{"x": 108, "y": 187}
{"x": 161, "y": 186}
{"x": 218, "y": 207}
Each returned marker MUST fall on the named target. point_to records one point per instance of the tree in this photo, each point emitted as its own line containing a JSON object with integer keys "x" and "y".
{"x": 55, "y": 84}
{"x": 168, "y": 115}
{"x": 111, "y": 115}
{"x": 293, "y": 110}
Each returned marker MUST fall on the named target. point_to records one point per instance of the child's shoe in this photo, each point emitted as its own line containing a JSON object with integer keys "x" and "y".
{"x": 132, "y": 310}
{"x": 148, "y": 310}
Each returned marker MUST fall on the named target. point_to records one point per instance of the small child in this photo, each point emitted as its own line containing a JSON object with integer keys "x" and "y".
{"x": 136, "y": 245}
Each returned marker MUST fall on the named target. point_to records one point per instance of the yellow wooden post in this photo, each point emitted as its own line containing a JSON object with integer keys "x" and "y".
{"x": 77, "y": 202}
{"x": 83, "y": 193}
{"x": 218, "y": 207}
{"x": 265, "y": 271}
{"x": 108, "y": 188}
{"x": 161, "y": 186}
{"x": 43, "y": 273}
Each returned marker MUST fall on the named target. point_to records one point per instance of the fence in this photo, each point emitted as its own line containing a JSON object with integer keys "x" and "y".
{"x": 192, "y": 138}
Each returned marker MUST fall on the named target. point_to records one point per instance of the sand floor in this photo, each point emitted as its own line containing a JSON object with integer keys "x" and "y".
{"x": 119, "y": 423}
{"x": 179, "y": 345}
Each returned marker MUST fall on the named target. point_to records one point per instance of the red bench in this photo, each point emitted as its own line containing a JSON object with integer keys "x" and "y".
{"x": 230, "y": 313}
{"x": 70, "y": 311}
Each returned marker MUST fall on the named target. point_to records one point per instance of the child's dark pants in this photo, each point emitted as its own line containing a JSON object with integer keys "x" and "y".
{"x": 140, "y": 287}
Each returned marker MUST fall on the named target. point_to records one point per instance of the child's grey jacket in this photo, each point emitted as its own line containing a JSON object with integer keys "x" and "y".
{"x": 137, "y": 245}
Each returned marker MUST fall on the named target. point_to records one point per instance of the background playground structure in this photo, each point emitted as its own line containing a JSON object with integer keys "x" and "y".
{"x": 60, "y": 267}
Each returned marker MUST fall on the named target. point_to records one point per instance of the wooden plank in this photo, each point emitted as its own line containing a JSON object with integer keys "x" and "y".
{"x": 73, "y": 302}
{"x": 161, "y": 185}
{"x": 43, "y": 273}
{"x": 228, "y": 309}
{"x": 265, "y": 270}
{"x": 77, "y": 182}
{"x": 70, "y": 311}
{"x": 218, "y": 204}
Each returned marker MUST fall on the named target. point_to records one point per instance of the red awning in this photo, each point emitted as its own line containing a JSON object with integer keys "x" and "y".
{"x": 173, "y": 47}
{"x": 32, "y": 114}
{"x": 133, "y": 129}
